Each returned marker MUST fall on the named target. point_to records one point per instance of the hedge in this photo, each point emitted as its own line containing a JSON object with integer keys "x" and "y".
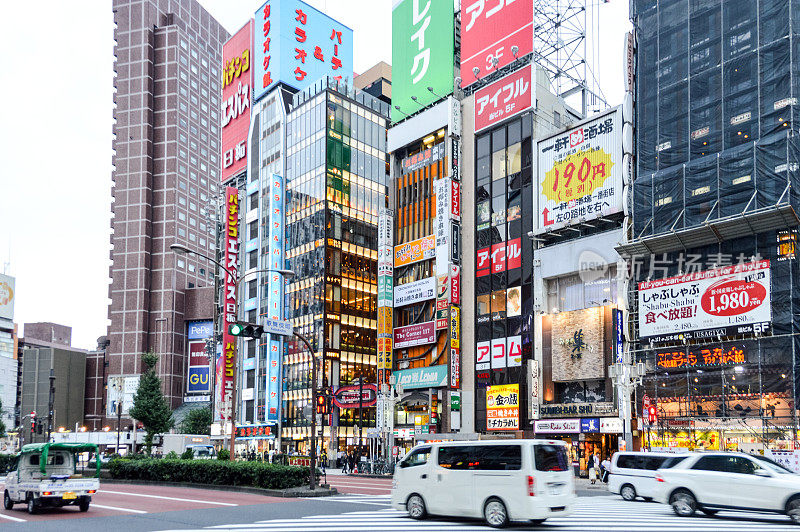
{"x": 255, "y": 474}
{"x": 5, "y": 461}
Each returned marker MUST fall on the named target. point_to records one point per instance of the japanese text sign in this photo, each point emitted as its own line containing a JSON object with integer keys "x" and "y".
{"x": 228, "y": 363}
{"x": 506, "y": 97}
{"x": 297, "y": 44}
{"x": 499, "y": 258}
{"x": 415, "y": 251}
{"x": 423, "y": 45}
{"x": 502, "y": 407}
{"x": 489, "y": 28}
{"x": 719, "y": 302}
{"x": 417, "y": 334}
{"x": 580, "y": 173}
{"x": 275, "y": 300}
{"x": 237, "y": 84}
{"x": 697, "y": 356}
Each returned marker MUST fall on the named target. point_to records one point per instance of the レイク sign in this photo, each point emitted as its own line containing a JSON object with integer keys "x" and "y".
{"x": 506, "y": 97}
{"x": 237, "y": 82}
{"x": 489, "y": 30}
{"x": 225, "y": 370}
{"x": 720, "y": 302}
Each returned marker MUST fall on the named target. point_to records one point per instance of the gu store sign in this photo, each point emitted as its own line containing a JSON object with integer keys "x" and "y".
{"x": 720, "y": 302}
{"x": 506, "y": 97}
{"x": 489, "y": 29}
{"x": 237, "y": 82}
{"x": 225, "y": 371}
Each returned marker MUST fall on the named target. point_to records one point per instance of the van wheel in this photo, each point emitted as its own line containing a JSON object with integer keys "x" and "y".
{"x": 495, "y": 513}
{"x": 8, "y": 504}
{"x": 683, "y": 503}
{"x": 32, "y": 506}
{"x": 416, "y": 507}
{"x": 793, "y": 510}
{"x": 628, "y": 492}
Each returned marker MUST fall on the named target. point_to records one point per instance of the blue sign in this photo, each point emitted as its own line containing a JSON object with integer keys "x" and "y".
{"x": 199, "y": 381}
{"x": 430, "y": 377}
{"x": 275, "y": 300}
{"x": 297, "y": 44}
{"x": 199, "y": 330}
{"x": 591, "y": 424}
{"x": 617, "y": 325}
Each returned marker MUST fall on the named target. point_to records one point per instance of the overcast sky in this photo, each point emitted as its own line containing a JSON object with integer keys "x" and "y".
{"x": 55, "y": 141}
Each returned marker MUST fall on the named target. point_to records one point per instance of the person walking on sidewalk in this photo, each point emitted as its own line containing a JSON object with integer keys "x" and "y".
{"x": 591, "y": 469}
{"x": 605, "y": 465}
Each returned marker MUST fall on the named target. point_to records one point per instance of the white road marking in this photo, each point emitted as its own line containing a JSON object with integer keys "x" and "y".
{"x": 17, "y": 519}
{"x": 168, "y": 498}
{"x": 95, "y": 505}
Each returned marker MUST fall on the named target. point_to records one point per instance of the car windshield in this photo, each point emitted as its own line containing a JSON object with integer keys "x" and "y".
{"x": 772, "y": 465}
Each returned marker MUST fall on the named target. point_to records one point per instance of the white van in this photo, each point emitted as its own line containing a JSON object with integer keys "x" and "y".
{"x": 633, "y": 474}
{"x": 498, "y": 480}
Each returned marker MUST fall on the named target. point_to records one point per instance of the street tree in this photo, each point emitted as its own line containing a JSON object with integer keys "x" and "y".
{"x": 150, "y": 407}
{"x": 2, "y": 425}
{"x": 197, "y": 421}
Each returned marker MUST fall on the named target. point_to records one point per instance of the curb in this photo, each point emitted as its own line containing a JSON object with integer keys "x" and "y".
{"x": 365, "y": 475}
{"x": 289, "y": 493}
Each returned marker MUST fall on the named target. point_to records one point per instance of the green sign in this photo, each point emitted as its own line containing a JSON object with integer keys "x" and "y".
{"x": 422, "y": 54}
{"x": 455, "y": 401}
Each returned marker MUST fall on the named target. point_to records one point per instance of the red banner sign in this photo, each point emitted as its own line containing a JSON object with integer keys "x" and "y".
{"x": 237, "y": 83}
{"x": 499, "y": 258}
{"x": 417, "y": 334}
{"x": 506, "y": 97}
{"x": 227, "y": 367}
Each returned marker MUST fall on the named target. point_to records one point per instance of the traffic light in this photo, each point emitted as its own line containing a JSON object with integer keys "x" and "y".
{"x": 246, "y": 330}
{"x": 33, "y": 422}
{"x": 322, "y": 405}
{"x": 652, "y": 415}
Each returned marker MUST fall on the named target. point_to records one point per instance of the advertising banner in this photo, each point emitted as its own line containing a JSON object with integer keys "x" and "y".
{"x": 409, "y": 293}
{"x": 421, "y": 249}
{"x": 428, "y": 377}
{"x": 502, "y": 407}
{"x": 297, "y": 44}
{"x": 558, "y": 426}
{"x": 385, "y": 242}
{"x": 199, "y": 330}
{"x": 455, "y": 368}
{"x": 506, "y": 97}
{"x": 417, "y": 334}
{"x": 423, "y": 47}
{"x": 275, "y": 285}
{"x": 578, "y": 345}
{"x": 489, "y": 30}
{"x": 499, "y": 258}
{"x": 237, "y": 84}
{"x": 7, "y": 285}
{"x": 347, "y": 396}
{"x": 697, "y": 356}
{"x": 423, "y": 158}
{"x": 121, "y": 389}
{"x": 455, "y": 284}
{"x": 580, "y": 173}
{"x": 498, "y": 353}
{"x": 198, "y": 380}
{"x": 197, "y": 354}
{"x": 514, "y": 351}
{"x": 483, "y": 355}
{"x": 441, "y": 229}
{"x": 384, "y": 359}
{"x": 258, "y": 431}
{"x": 719, "y": 302}
{"x": 385, "y": 321}
{"x": 455, "y": 327}
{"x": 226, "y": 369}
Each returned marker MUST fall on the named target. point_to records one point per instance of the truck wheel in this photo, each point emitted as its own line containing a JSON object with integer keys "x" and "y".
{"x": 83, "y": 506}
{"x": 32, "y": 506}
{"x": 8, "y": 504}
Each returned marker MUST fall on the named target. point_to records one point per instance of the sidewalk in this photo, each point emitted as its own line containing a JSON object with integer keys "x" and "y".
{"x": 589, "y": 489}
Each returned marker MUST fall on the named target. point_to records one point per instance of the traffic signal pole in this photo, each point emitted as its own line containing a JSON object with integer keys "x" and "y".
{"x": 313, "y": 453}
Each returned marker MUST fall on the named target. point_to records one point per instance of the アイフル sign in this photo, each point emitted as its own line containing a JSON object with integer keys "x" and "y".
{"x": 506, "y": 97}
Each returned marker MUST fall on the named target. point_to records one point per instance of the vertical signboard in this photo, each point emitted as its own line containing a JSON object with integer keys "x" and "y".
{"x": 442, "y": 188}
{"x": 455, "y": 347}
{"x": 237, "y": 83}
{"x": 6, "y": 297}
{"x": 423, "y": 44}
{"x": 502, "y": 407}
{"x": 488, "y": 32}
{"x": 297, "y": 44}
{"x": 199, "y": 335}
{"x": 275, "y": 296}
{"x": 227, "y": 366}
{"x": 385, "y": 293}
{"x": 506, "y": 97}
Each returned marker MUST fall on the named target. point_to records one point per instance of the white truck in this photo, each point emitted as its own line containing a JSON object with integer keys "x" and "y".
{"x": 46, "y": 475}
{"x": 200, "y": 444}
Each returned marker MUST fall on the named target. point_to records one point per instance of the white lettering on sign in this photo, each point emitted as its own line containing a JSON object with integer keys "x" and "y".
{"x": 475, "y": 10}
{"x": 424, "y": 55}
{"x": 510, "y": 91}
{"x": 237, "y": 104}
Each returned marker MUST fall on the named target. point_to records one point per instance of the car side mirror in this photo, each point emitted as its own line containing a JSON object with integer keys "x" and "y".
{"x": 762, "y": 473}
{"x": 403, "y": 464}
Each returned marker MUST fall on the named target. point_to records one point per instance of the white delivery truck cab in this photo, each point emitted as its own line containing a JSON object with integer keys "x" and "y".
{"x": 498, "y": 480}
{"x": 46, "y": 475}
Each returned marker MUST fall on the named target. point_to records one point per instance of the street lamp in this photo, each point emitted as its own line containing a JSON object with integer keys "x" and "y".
{"x": 183, "y": 250}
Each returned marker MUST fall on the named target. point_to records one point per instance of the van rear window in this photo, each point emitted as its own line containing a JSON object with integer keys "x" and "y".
{"x": 551, "y": 458}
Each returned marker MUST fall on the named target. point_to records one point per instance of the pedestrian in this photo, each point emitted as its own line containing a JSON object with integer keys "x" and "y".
{"x": 591, "y": 470}
{"x": 606, "y": 466}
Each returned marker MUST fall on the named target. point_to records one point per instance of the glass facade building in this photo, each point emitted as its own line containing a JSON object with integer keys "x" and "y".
{"x": 336, "y": 182}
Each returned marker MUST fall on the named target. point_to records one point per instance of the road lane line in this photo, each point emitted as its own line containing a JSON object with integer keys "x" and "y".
{"x": 17, "y": 519}
{"x": 167, "y": 498}
{"x": 95, "y": 505}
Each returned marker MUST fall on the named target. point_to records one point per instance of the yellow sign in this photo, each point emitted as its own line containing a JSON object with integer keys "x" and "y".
{"x": 502, "y": 407}
{"x": 455, "y": 327}
{"x": 385, "y": 320}
{"x": 577, "y": 175}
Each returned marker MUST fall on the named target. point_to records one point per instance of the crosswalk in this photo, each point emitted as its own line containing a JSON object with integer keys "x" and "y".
{"x": 353, "y": 498}
{"x": 591, "y": 514}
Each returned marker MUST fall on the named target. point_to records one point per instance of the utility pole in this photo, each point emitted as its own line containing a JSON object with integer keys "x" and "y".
{"x": 313, "y": 453}
{"x": 51, "y": 398}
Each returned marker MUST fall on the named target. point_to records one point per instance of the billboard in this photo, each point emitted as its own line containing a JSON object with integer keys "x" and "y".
{"x": 579, "y": 173}
{"x": 499, "y": 257}
{"x": 427, "y": 377}
{"x": 489, "y": 30}
{"x": 7, "y": 284}
{"x": 409, "y": 293}
{"x": 502, "y": 407}
{"x": 121, "y": 389}
{"x": 719, "y": 302}
{"x": 297, "y": 44}
{"x": 423, "y": 45}
{"x": 578, "y": 345}
{"x": 417, "y": 334}
{"x": 275, "y": 286}
{"x": 199, "y": 330}
{"x": 237, "y": 85}
{"x": 199, "y": 368}
{"x": 506, "y": 97}
{"x": 421, "y": 249}
{"x": 225, "y": 370}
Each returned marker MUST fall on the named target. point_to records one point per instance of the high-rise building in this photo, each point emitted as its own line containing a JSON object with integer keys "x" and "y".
{"x": 712, "y": 246}
{"x": 166, "y": 167}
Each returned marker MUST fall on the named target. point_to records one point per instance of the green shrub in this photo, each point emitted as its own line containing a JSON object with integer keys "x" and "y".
{"x": 188, "y": 454}
{"x": 223, "y": 454}
{"x": 256, "y": 474}
{"x": 172, "y": 455}
{"x": 5, "y": 461}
